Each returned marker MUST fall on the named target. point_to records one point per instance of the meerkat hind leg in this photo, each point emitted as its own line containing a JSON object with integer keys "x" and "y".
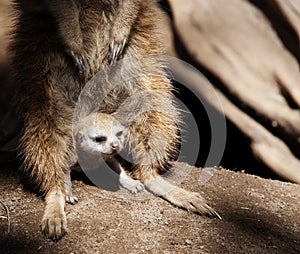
{"x": 191, "y": 201}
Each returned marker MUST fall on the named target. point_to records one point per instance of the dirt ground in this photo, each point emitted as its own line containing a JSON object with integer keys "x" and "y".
{"x": 259, "y": 216}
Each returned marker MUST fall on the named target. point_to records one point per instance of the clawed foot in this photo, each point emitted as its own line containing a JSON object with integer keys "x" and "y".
{"x": 54, "y": 222}
{"x": 192, "y": 201}
{"x": 133, "y": 186}
{"x": 79, "y": 62}
{"x": 54, "y": 225}
{"x": 71, "y": 199}
{"x": 116, "y": 48}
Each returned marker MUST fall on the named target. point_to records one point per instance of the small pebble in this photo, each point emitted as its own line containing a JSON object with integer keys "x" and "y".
{"x": 188, "y": 242}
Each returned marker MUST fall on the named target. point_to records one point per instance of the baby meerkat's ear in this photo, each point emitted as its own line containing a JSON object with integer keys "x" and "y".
{"x": 79, "y": 137}
{"x": 120, "y": 118}
{"x": 125, "y": 132}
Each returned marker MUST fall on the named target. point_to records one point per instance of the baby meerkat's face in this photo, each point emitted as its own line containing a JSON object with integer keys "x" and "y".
{"x": 100, "y": 133}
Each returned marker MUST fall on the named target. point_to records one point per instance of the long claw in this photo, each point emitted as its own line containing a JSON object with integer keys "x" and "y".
{"x": 124, "y": 44}
{"x": 116, "y": 50}
{"x": 79, "y": 62}
{"x": 111, "y": 49}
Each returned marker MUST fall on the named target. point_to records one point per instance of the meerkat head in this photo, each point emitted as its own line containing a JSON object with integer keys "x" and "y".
{"x": 100, "y": 133}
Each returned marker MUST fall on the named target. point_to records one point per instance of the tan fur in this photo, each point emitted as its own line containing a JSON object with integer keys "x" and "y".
{"x": 58, "y": 45}
{"x": 98, "y": 120}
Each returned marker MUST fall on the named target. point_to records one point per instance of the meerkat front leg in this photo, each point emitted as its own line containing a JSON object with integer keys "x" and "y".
{"x": 70, "y": 198}
{"x": 133, "y": 186}
{"x": 120, "y": 32}
{"x": 66, "y": 13}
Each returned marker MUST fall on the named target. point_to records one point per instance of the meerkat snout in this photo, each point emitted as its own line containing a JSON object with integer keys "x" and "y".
{"x": 115, "y": 147}
{"x": 112, "y": 145}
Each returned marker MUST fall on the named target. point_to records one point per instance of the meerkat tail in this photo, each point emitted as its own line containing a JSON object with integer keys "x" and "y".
{"x": 191, "y": 201}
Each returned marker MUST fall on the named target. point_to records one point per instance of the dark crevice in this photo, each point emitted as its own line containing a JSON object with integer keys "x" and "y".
{"x": 166, "y": 7}
{"x": 279, "y": 22}
{"x": 287, "y": 96}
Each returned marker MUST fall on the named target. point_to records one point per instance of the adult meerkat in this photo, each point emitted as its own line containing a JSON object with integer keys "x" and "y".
{"x": 51, "y": 68}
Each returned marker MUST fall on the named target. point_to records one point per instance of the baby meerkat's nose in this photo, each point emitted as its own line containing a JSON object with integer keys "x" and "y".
{"x": 115, "y": 147}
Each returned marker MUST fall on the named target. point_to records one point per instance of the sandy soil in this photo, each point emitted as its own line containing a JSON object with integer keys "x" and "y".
{"x": 259, "y": 216}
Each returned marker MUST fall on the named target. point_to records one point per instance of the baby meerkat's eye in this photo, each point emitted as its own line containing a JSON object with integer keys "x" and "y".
{"x": 119, "y": 133}
{"x": 100, "y": 139}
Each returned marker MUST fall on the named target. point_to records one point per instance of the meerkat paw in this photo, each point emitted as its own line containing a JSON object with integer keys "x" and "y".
{"x": 79, "y": 62}
{"x": 74, "y": 48}
{"x": 116, "y": 48}
{"x": 133, "y": 186}
{"x": 71, "y": 199}
{"x": 191, "y": 201}
{"x": 54, "y": 222}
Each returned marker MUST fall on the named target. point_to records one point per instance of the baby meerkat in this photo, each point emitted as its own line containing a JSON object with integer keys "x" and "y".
{"x": 99, "y": 137}
{"x": 58, "y": 45}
